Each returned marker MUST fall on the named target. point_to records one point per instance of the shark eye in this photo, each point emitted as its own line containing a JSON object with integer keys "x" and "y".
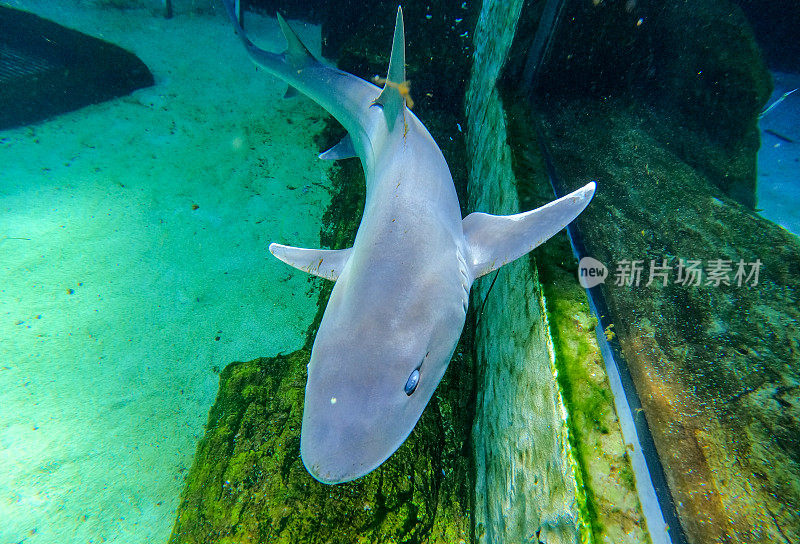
{"x": 412, "y": 382}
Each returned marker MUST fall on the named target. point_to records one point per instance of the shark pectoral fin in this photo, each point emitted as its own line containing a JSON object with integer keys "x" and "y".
{"x": 325, "y": 263}
{"x": 343, "y": 150}
{"x": 395, "y": 89}
{"x": 495, "y": 240}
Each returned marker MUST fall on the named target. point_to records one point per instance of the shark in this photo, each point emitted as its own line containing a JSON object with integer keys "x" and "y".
{"x": 401, "y": 292}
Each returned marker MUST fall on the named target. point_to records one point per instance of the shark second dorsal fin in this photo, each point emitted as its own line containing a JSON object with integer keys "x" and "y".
{"x": 325, "y": 263}
{"x": 296, "y": 53}
{"x": 392, "y": 98}
{"x": 495, "y": 240}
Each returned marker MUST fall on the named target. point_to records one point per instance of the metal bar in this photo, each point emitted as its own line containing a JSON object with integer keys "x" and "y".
{"x": 541, "y": 42}
{"x": 240, "y": 8}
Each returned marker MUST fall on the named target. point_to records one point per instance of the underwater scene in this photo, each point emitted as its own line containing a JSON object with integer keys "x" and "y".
{"x": 458, "y": 272}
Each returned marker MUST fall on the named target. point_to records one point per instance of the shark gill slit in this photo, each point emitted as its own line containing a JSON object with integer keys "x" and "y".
{"x": 462, "y": 268}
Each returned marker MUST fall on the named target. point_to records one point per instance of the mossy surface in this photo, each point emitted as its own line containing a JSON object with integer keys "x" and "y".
{"x": 610, "y": 502}
{"x": 715, "y": 366}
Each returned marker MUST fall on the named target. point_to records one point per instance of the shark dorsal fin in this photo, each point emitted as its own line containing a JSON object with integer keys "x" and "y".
{"x": 325, "y": 263}
{"x": 296, "y": 53}
{"x": 495, "y": 240}
{"x": 395, "y": 88}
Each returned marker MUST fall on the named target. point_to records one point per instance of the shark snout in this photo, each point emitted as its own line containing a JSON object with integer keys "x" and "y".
{"x": 335, "y": 459}
{"x": 340, "y": 441}
{"x": 353, "y": 420}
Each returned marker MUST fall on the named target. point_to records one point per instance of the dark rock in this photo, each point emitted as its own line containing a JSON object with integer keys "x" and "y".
{"x": 47, "y": 69}
{"x": 697, "y": 63}
{"x": 775, "y": 23}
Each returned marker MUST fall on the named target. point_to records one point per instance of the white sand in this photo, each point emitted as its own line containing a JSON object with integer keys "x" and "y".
{"x": 779, "y": 160}
{"x": 105, "y": 391}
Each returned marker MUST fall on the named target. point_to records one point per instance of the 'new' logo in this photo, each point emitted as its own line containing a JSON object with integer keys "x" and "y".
{"x": 591, "y": 272}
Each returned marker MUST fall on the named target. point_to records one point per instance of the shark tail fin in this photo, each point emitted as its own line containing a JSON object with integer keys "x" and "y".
{"x": 495, "y": 240}
{"x": 297, "y": 54}
{"x": 276, "y": 64}
{"x": 395, "y": 95}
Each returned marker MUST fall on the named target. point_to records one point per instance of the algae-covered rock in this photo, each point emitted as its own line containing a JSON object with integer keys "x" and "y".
{"x": 248, "y": 484}
{"x": 658, "y": 103}
{"x": 696, "y": 62}
{"x": 717, "y": 363}
{"x": 604, "y": 469}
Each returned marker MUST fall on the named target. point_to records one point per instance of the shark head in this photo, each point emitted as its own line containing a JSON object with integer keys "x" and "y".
{"x": 369, "y": 380}
{"x": 350, "y": 428}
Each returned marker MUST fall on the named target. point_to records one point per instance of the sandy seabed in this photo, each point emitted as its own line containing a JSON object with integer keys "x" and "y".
{"x": 134, "y": 266}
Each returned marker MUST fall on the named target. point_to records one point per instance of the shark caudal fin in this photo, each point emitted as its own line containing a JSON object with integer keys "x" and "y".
{"x": 343, "y": 95}
{"x": 296, "y": 56}
{"x": 395, "y": 94}
{"x": 495, "y": 240}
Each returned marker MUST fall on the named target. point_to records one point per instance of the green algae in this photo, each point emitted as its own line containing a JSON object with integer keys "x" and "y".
{"x": 611, "y": 501}
{"x": 608, "y": 498}
{"x": 711, "y": 363}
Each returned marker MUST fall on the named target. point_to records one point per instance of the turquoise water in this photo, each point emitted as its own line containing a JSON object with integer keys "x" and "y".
{"x": 134, "y": 265}
{"x": 779, "y": 157}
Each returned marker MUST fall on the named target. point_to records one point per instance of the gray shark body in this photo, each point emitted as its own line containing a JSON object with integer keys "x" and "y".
{"x": 401, "y": 294}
